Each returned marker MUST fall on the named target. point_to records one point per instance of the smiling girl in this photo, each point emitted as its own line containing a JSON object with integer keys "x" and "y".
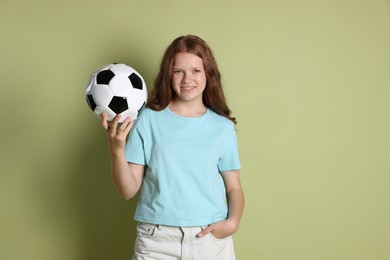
{"x": 182, "y": 155}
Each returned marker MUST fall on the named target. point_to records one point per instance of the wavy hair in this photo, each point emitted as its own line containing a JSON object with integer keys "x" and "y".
{"x": 213, "y": 96}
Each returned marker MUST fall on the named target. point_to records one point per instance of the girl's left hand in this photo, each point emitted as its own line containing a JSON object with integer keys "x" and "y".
{"x": 220, "y": 229}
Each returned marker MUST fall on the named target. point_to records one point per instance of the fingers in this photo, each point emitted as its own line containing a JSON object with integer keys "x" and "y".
{"x": 110, "y": 125}
{"x": 126, "y": 125}
{"x": 206, "y": 231}
{"x": 114, "y": 127}
{"x": 104, "y": 121}
{"x": 219, "y": 230}
{"x": 116, "y": 133}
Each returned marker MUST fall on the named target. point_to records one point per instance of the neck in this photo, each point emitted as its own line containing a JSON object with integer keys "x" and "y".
{"x": 187, "y": 109}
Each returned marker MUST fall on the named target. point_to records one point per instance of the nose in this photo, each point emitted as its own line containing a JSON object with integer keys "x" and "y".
{"x": 186, "y": 77}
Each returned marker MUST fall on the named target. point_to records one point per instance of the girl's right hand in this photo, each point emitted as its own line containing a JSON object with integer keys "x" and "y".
{"x": 117, "y": 133}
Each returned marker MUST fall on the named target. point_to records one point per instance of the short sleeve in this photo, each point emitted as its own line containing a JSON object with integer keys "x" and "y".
{"x": 229, "y": 159}
{"x": 134, "y": 150}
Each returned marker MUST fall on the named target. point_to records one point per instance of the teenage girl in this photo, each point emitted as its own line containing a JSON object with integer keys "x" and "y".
{"x": 182, "y": 155}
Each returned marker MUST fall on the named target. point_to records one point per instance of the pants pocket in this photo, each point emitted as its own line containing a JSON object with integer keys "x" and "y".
{"x": 145, "y": 229}
{"x": 216, "y": 238}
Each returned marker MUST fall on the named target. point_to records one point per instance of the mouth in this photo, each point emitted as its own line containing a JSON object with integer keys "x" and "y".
{"x": 187, "y": 88}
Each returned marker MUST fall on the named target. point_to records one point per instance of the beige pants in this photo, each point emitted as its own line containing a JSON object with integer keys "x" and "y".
{"x": 180, "y": 243}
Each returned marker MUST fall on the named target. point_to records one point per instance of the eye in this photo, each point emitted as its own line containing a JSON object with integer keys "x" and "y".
{"x": 177, "y": 71}
{"x": 197, "y": 71}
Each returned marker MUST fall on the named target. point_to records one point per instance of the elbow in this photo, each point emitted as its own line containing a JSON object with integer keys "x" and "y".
{"x": 127, "y": 196}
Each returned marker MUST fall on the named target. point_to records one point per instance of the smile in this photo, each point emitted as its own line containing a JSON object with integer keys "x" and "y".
{"x": 187, "y": 88}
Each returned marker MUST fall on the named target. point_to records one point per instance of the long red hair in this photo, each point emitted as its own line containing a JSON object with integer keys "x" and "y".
{"x": 213, "y": 96}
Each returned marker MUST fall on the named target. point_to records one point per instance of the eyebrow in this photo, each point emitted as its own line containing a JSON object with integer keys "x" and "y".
{"x": 179, "y": 68}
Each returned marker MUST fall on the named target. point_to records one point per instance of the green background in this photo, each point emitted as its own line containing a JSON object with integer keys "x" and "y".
{"x": 309, "y": 82}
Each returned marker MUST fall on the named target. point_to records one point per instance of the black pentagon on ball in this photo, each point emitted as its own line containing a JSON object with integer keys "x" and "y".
{"x": 104, "y": 77}
{"x": 91, "y": 102}
{"x": 136, "y": 81}
{"x": 118, "y": 104}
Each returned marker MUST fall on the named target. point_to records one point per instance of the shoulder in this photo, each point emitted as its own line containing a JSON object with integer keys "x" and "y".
{"x": 149, "y": 117}
{"x": 220, "y": 120}
{"x": 143, "y": 118}
{"x": 148, "y": 113}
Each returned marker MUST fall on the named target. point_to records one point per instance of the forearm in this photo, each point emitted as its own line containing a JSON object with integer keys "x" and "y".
{"x": 122, "y": 177}
{"x": 236, "y": 202}
{"x": 126, "y": 177}
{"x": 229, "y": 226}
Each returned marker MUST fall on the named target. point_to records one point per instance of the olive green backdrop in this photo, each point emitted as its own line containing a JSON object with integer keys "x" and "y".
{"x": 309, "y": 82}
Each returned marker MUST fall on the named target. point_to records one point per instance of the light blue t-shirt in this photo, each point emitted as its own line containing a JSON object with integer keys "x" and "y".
{"x": 184, "y": 158}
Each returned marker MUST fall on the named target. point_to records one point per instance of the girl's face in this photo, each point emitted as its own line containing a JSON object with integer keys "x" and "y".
{"x": 189, "y": 77}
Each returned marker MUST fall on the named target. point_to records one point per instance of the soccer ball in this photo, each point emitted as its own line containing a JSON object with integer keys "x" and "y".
{"x": 116, "y": 89}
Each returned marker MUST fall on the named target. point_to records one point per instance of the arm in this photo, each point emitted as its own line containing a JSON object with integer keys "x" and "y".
{"x": 127, "y": 177}
{"x": 235, "y": 198}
